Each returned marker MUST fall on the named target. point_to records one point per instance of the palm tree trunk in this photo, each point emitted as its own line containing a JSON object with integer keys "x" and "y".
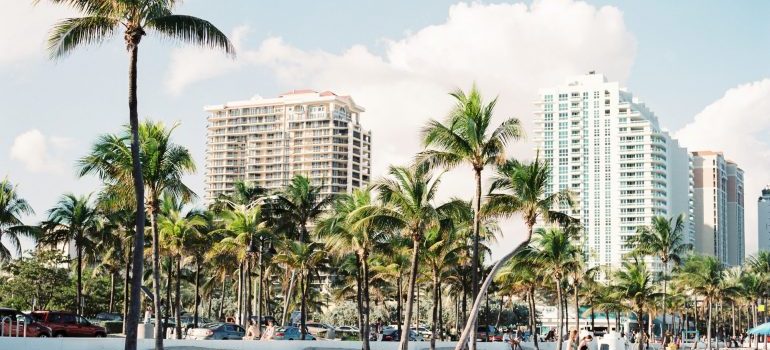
{"x": 197, "y": 292}
{"x": 465, "y": 300}
{"x": 366, "y": 330}
{"x": 249, "y": 293}
{"x": 560, "y": 319}
{"x": 302, "y": 315}
{"x": 695, "y": 314}
{"x": 500, "y": 312}
{"x": 79, "y": 253}
{"x": 177, "y": 299}
{"x": 434, "y": 311}
{"x": 533, "y": 327}
{"x": 475, "y": 262}
{"x": 665, "y": 292}
{"x": 156, "y": 271}
{"x": 239, "y": 296}
{"x": 259, "y": 289}
{"x": 112, "y": 291}
{"x": 222, "y": 298}
{"x": 470, "y": 324}
{"x": 708, "y": 326}
{"x": 399, "y": 306}
{"x": 404, "y": 343}
{"x": 169, "y": 277}
{"x": 359, "y": 301}
{"x": 126, "y": 286}
{"x": 132, "y": 322}
{"x": 640, "y": 341}
{"x": 577, "y": 308}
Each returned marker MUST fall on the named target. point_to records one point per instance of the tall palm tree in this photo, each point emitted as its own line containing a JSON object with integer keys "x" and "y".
{"x": 303, "y": 258}
{"x": 163, "y": 165}
{"x": 179, "y": 233}
{"x": 664, "y": 238}
{"x": 408, "y": 194}
{"x": 519, "y": 188}
{"x": 292, "y": 211}
{"x": 554, "y": 252}
{"x": 73, "y": 219}
{"x": 466, "y": 138}
{"x": 704, "y": 275}
{"x": 346, "y": 229}
{"x": 634, "y": 286}
{"x": 101, "y": 19}
{"x": 12, "y": 208}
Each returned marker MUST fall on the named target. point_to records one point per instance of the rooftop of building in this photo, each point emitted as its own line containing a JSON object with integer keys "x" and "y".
{"x": 289, "y": 97}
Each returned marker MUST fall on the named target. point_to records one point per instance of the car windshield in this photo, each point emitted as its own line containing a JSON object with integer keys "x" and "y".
{"x": 211, "y": 325}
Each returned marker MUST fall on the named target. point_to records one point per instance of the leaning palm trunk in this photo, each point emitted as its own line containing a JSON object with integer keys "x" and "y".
{"x": 156, "y": 272}
{"x": 404, "y": 343}
{"x": 132, "y": 38}
{"x": 286, "y": 298}
{"x": 469, "y": 325}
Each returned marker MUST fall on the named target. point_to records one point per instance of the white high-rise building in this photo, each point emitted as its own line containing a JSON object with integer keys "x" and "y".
{"x": 763, "y": 220}
{"x": 607, "y": 147}
{"x": 267, "y": 141}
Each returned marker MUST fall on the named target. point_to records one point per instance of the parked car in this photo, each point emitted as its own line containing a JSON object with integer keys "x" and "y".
{"x": 424, "y": 331}
{"x": 348, "y": 329}
{"x": 68, "y": 324}
{"x": 108, "y": 316}
{"x": 487, "y": 333}
{"x": 392, "y": 334}
{"x": 15, "y": 321}
{"x": 321, "y": 330}
{"x": 218, "y": 330}
{"x": 291, "y": 333}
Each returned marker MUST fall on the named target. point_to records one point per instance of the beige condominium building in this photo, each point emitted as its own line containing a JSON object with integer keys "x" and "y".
{"x": 719, "y": 221}
{"x": 267, "y": 141}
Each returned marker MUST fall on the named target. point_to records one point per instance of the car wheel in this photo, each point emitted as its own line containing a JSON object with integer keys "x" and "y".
{"x": 101, "y": 335}
{"x": 42, "y": 335}
{"x": 59, "y": 335}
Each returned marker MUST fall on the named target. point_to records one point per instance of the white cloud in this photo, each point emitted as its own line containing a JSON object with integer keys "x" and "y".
{"x": 39, "y": 153}
{"x": 738, "y": 124}
{"x": 509, "y": 50}
{"x": 25, "y": 29}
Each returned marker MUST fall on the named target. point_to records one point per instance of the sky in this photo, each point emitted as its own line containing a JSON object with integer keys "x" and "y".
{"x": 700, "y": 65}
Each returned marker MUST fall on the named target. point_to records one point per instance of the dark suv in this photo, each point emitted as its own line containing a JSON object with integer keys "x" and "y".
{"x": 67, "y": 324}
{"x": 16, "y": 320}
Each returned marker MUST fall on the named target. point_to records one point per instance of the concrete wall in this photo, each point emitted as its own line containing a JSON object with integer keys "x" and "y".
{"x": 172, "y": 344}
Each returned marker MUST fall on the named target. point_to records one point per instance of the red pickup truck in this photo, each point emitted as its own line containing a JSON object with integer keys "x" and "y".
{"x": 67, "y": 324}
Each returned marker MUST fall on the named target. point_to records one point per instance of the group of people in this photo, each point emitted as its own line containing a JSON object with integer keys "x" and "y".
{"x": 253, "y": 331}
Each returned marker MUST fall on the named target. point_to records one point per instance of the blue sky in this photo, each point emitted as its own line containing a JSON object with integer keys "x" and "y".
{"x": 397, "y": 58}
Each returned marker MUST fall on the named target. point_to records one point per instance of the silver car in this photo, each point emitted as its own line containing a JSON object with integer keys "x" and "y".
{"x": 221, "y": 331}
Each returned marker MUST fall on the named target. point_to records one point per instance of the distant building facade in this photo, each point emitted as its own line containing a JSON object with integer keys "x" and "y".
{"x": 719, "y": 216}
{"x": 763, "y": 220}
{"x": 267, "y": 141}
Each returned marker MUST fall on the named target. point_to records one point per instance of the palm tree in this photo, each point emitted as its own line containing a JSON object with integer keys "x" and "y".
{"x": 465, "y": 138}
{"x": 303, "y": 258}
{"x": 519, "y": 188}
{"x": 633, "y": 285}
{"x": 73, "y": 219}
{"x": 179, "y": 233}
{"x": 102, "y": 19}
{"x": 664, "y": 239}
{"x": 408, "y": 194}
{"x": 704, "y": 275}
{"x": 292, "y": 210}
{"x": 163, "y": 165}
{"x": 12, "y": 207}
{"x": 553, "y": 251}
{"x": 346, "y": 230}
